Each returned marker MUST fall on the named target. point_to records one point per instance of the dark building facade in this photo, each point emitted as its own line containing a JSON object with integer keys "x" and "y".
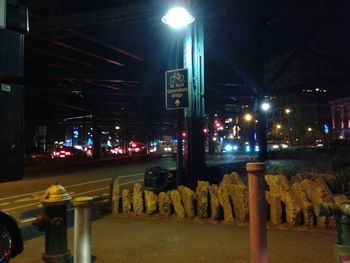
{"x": 340, "y": 110}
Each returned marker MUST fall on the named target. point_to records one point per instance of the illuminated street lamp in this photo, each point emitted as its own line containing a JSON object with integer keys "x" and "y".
{"x": 177, "y": 18}
{"x": 309, "y": 129}
{"x": 193, "y": 61}
{"x": 287, "y": 110}
{"x": 278, "y": 126}
{"x": 265, "y": 106}
{"x": 248, "y": 117}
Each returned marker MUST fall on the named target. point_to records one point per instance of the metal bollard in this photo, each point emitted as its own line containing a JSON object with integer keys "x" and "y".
{"x": 257, "y": 210}
{"x": 54, "y": 223}
{"x": 341, "y": 210}
{"x": 82, "y": 229}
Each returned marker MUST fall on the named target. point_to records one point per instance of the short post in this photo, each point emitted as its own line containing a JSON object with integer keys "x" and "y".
{"x": 257, "y": 206}
{"x": 82, "y": 229}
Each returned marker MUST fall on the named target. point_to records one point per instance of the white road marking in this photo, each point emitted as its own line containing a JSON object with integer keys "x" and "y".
{"x": 85, "y": 192}
{"x": 70, "y": 186}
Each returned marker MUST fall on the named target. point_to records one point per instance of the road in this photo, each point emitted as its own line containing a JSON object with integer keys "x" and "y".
{"x": 21, "y": 199}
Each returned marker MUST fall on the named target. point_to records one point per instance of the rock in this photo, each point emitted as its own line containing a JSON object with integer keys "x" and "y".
{"x": 216, "y": 211}
{"x": 319, "y": 193}
{"x": 303, "y": 203}
{"x": 137, "y": 199}
{"x": 115, "y": 196}
{"x": 202, "y": 199}
{"x": 280, "y": 189}
{"x": 176, "y": 202}
{"x": 224, "y": 200}
{"x": 333, "y": 182}
{"x": 150, "y": 202}
{"x": 232, "y": 178}
{"x": 238, "y": 194}
{"x": 126, "y": 201}
{"x": 164, "y": 204}
{"x": 275, "y": 213}
{"x": 187, "y": 197}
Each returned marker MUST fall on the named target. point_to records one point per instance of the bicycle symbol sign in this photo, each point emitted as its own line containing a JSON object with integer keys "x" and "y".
{"x": 176, "y": 89}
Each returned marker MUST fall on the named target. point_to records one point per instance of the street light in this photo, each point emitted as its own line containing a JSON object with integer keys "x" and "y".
{"x": 248, "y": 117}
{"x": 265, "y": 106}
{"x": 193, "y": 61}
{"x": 177, "y": 18}
{"x": 287, "y": 110}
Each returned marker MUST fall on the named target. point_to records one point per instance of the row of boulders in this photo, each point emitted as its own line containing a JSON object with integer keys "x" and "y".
{"x": 287, "y": 202}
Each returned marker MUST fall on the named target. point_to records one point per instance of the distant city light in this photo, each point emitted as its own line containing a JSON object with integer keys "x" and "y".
{"x": 177, "y": 18}
{"x": 265, "y": 106}
{"x": 248, "y": 117}
{"x": 117, "y": 127}
{"x": 287, "y": 110}
{"x": 309, "y": 129}
{"x": 278, "y": 126}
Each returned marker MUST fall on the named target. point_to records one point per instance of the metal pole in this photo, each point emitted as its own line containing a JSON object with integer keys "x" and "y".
{"x": 179, "y": 156}
{"x": 82, "y": 229}
{"x": 257, "y": 206}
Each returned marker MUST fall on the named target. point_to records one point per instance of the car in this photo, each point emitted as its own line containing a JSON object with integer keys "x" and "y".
{"x": 11, "y": 242}
{"x": 136, "y": 148}
{"x": 67, "y": 152}
{"x": 35, "y": 155}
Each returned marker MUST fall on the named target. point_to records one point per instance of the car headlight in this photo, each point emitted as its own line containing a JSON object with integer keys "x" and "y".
{"x": 228, "y": 147}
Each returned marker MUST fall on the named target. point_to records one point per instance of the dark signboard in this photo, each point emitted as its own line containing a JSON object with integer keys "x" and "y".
{"x": 176, "y": 89}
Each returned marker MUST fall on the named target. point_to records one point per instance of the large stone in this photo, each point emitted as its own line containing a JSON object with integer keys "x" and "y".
{"x": 334, "y": 184}
{"x": 303, "y": 203}
{"x": 238, "y": 194}
{"x": 232, "y": 178}
{"x": 115, "y": 196}
{"x": 275, "y": 213}
{"x": 176, "y": 202}
{"x": 126, "y": 201}
{"x": 137, "y": 199}
{"x": 188, "y": 198}
{"x": 164, "y": 204}
{"x": 202, "y": 199}
{"x": 280, "y": 189}
{"x": 319, "y": 193}
{"x": 216, "y": 212}
{"x": 151, "y": 202}
{"x": 224, "y": 200}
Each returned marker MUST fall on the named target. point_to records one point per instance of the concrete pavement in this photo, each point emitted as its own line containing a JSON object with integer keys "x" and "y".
{"x": 154, "y": 239}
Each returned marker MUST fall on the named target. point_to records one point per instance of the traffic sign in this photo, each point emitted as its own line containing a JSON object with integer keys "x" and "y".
{"x": 176, "y": 89}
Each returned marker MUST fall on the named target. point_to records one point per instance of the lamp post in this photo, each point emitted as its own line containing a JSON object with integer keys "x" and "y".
{"x": 264, "y": 108}
{"x": 193, "y": 60}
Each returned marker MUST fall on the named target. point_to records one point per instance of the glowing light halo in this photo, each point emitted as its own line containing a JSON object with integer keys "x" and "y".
{"x": 177, "y": 18}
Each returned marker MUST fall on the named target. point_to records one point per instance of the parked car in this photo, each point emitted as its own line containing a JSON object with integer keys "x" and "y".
{"x": 11, "y": 242}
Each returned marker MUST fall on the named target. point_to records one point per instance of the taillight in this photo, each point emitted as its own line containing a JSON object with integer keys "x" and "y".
{"x": 67, "y": 153}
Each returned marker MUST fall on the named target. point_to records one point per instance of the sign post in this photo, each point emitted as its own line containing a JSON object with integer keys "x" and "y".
{"x": 2, "y": 14}
{"x": 176, "y": 89}
{"x": 177, "y": 98}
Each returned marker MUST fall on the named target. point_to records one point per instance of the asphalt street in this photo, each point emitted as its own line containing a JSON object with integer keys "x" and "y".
{"x": 21, "y": 198}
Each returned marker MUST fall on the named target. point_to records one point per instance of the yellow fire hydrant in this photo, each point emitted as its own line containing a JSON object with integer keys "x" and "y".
{"x": 54, "y": 223}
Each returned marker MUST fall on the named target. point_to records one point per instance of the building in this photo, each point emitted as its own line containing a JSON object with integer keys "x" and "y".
{"x": 340, "y": 109}
{"x": 303, "y": 83}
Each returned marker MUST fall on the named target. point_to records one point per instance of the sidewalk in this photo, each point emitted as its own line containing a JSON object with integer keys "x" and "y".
{"x": 154, "y": 239}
